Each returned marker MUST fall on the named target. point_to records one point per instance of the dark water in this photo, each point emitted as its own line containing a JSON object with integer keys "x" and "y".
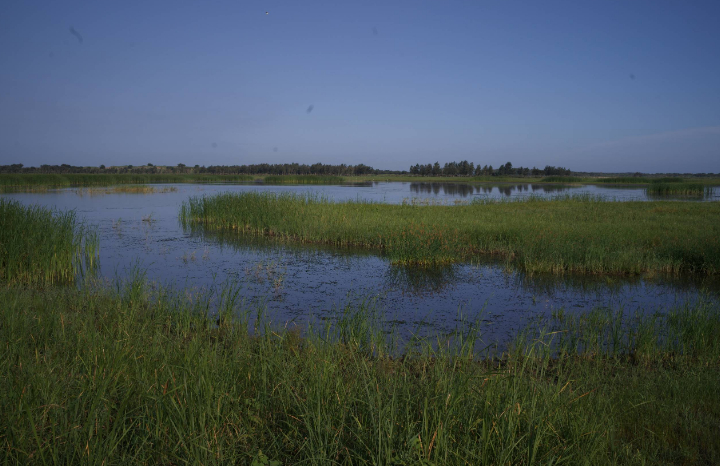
{"x": 299, "y": 283}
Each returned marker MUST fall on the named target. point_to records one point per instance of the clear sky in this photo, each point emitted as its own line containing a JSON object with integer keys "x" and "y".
{"x": 590, "y": 85}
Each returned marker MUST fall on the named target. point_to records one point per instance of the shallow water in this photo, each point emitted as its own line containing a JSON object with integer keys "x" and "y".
{"x": 302, "y": 282}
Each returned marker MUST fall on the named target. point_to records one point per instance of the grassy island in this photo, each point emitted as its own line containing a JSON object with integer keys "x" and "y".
{"x": 568, "y": 234}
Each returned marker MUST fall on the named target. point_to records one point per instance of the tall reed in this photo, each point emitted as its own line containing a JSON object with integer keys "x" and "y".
{"x": 683, "y": 189}
{"x": 145, "y": 375}
{"x": 578, "y": 234}
{"x": 39, "y": 246}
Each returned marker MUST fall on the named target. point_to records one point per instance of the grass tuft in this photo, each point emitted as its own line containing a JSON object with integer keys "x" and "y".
{"x": 39, "y": 246}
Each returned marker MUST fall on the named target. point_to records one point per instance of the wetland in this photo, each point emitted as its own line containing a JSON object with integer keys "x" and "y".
{"x": 276, "y": 324}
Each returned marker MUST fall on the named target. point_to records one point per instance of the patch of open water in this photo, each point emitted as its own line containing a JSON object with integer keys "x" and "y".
{"x": 302, "y": 282}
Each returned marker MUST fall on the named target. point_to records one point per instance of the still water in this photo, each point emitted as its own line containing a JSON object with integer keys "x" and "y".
{"x": 301, "y": 282}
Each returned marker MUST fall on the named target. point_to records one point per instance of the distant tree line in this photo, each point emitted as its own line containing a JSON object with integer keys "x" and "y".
{"x": 463, "y": 168}
{"x": 254, "y": 169}
{"x": 466, "y": 168}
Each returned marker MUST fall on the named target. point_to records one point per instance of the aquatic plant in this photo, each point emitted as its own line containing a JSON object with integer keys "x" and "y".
{"x": 578, "y": 234}
{"x": 562, "y": 179}
{"x": 683, "y": 189}
{"x": 40, "y": 246}
{"x": 640, "y": 179}
{"x": 139, "y": 374}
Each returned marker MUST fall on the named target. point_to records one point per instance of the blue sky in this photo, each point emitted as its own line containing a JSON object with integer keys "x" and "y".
{"x": 590, "y": 85}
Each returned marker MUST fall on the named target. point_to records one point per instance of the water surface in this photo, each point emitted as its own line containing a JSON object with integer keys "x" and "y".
{"x": 303, "y": 282}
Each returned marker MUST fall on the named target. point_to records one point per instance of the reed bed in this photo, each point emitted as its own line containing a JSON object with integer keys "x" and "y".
{"x": 578, "y": 234}
{"x": 682, "y": 189}
{"x": 640, "y": 180}
{"x": 303, "y": 179}
{"x": 86, "y": 179}
{"x": 134, "y": 374}
{"x": 563, "y": 179}
{"x": 39, "y": 246}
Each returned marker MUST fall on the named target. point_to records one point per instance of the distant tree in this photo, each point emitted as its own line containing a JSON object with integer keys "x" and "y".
{"x": 450, "y": 169}
{"x": 436, "y": 170}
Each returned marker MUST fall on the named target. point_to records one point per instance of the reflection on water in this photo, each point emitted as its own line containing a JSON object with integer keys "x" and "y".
{"x": 421, "y": 280}
{"x": 467, "y": 189}
{"x": 295, "y": 281}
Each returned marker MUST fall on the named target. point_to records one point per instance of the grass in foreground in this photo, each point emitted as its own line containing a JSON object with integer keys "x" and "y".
{"x": 568, "y": 234}
{"x": 136, "y": 375}
{"x": 39, "y": 246}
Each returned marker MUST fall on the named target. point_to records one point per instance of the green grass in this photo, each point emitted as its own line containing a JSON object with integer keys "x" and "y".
{"x": 141, "y": 375}
{"x": 303, "y": 179}
{"x": 578, "y": 234}
{"x": 684, "y": 189}
{"x": 641, "y": 180}
{"x": 563, "y": 179}
{"x": 39, "y": 246}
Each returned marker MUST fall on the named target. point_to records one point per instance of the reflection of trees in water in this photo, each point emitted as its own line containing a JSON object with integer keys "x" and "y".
{"x": 551, "y": 188}
{"x": 466, "y": 189}
{"x": 416, "y": 280}
{"x": 435, "y": 188}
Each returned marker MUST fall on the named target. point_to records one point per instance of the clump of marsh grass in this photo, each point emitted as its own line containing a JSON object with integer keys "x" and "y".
{"x": 142, "y": 374}
{"x": 682, "y": 189}
{"x": 565, "y": 234}
{"x": 39, "y": 246}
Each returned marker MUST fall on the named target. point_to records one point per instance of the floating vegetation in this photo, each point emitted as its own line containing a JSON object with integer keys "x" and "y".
{"x": 578, "y": 234}
{"x": 39, "y": 246}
